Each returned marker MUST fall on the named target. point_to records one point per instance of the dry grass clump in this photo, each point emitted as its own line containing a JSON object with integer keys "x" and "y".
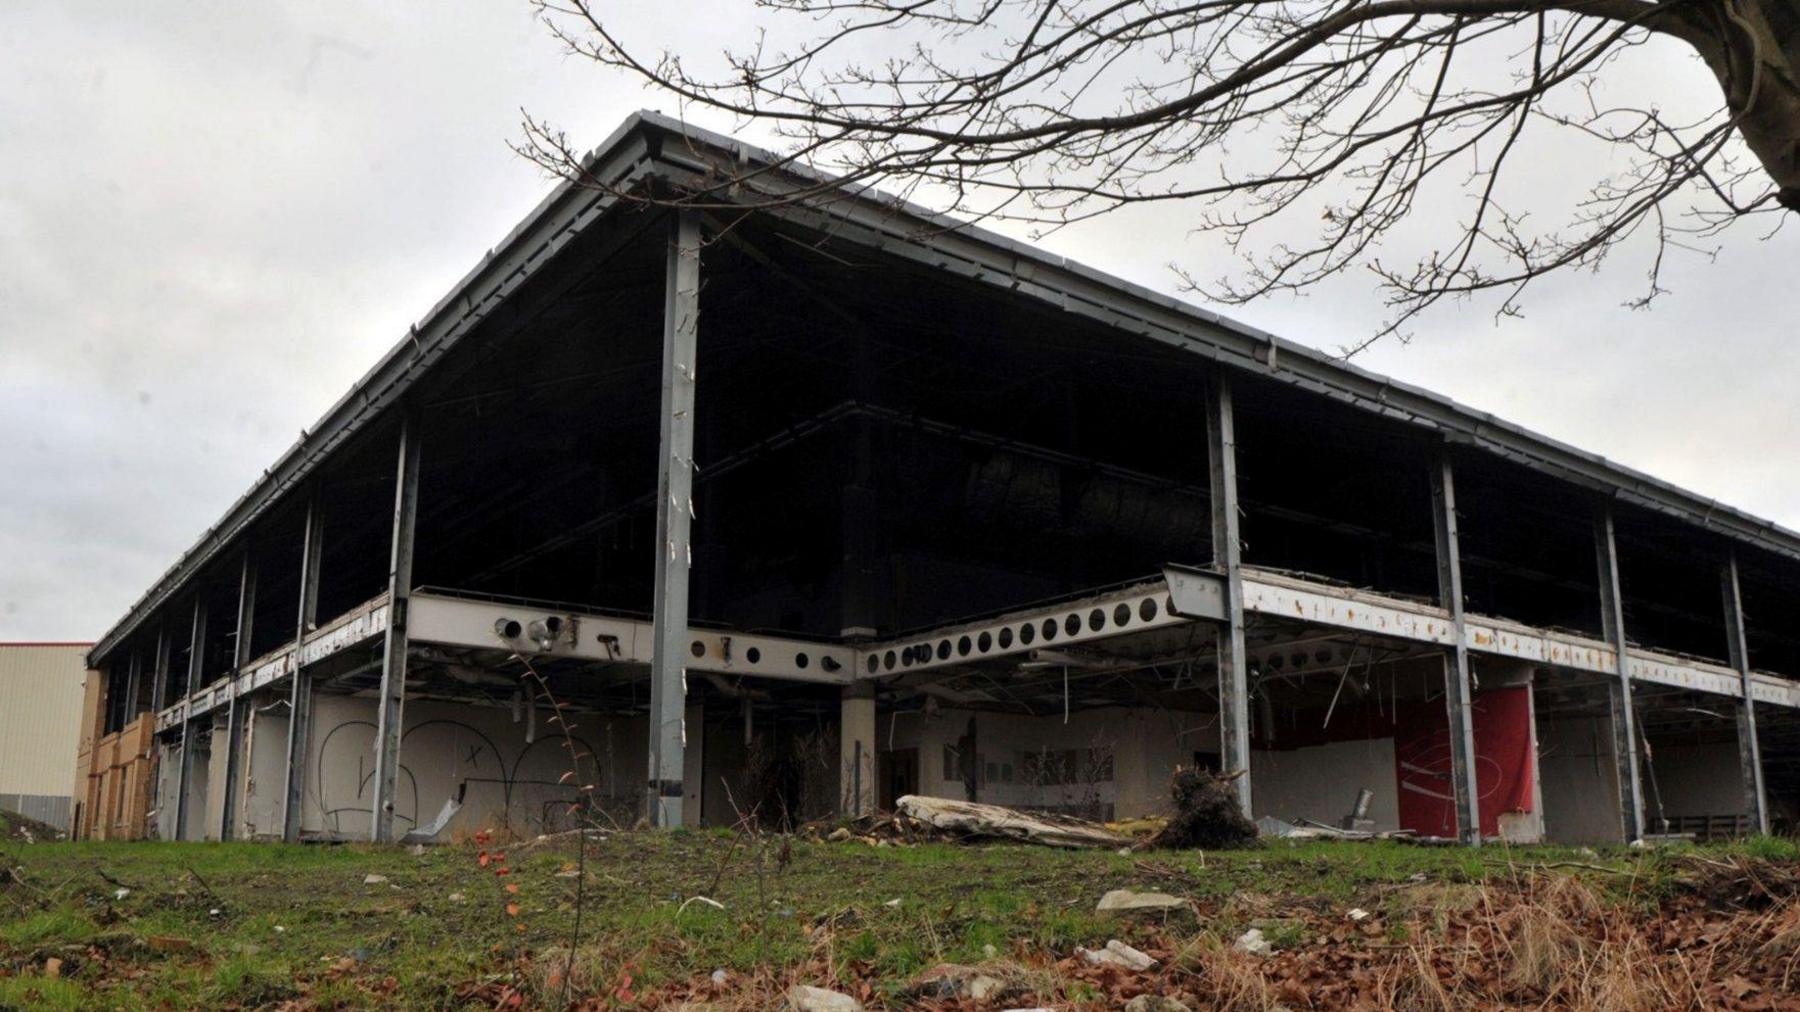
{"x": 1230, "y": 981}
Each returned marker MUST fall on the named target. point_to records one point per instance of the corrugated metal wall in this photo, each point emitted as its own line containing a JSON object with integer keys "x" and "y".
{"x": 40, "y": 716}
{"x": 47, "y": 809}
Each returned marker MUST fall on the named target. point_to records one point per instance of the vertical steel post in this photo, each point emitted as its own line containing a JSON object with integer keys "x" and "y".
{"x": 1756, "y": 801}
{"x": 196, "y": 665}
{"x": 1459, "y": 700}
{"x": 134, "y": 674}
{"x": 393, "y": 663}
{"x": 1234, "y": 676}
{"x": 300, "y": 695}
{"x": 234, "y": 714}
{"x": 674, "y": 516}
{"x": 159, "y": 667}
{"x": 1624, "y": 715}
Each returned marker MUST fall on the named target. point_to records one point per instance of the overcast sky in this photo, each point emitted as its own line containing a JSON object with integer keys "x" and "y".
{"x": 214, "y": 217}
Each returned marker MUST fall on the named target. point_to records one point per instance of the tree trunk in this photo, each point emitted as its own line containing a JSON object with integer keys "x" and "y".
{"x": 1753, "y": 48}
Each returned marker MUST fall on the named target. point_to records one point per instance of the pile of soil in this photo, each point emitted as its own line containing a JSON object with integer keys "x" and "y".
{"x": 16, "y": 828}
{"x": 1205, "y": 814}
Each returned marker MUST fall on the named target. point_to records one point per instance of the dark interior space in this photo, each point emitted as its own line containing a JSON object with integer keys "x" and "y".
{"x": 1669, "y": 580}
{"x": 281, "y": 538}
{"x": 1334, "y": 491}
{"x": 1528, "y": 550}
{"x": 1770, "y": 587}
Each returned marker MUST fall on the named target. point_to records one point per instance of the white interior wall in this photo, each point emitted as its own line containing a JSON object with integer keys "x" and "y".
{"x": 1579, "y": 781}
{"x": 167, "y": 767}
{"x": 199, "y": 779}
{"x": 1321, "y": 782}
{"x": 1146, "y": 746}
{"x": 264, "y": 769}
{"x": 479, "y": 751}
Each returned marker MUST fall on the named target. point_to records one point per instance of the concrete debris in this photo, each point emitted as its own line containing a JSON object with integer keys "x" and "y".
{"x": 840, "y": 834}
{"x": 455, "y": 897}
{"x": 895, "y": 903}
{"x": 948, "y": 981}
{"x": 1155, "y": 1003}
{"x": 1358, "y": 914}
{"x": 1253, "y": 942}
{"x": 805, "y": 998}
{"x": 119, "y": 894}
{"x": 53, "y": 967}
{"x": 1117, "y": 953}
{"x": 966, "y": 818}
{"x": 435, "y": 828}
{"x": 373, "y": 879}
{"x": 1307, "y": 829}
{"x": 1205, "y": 814}
{"x": 719, "y": 977}
{"x": 1125, "y": 901}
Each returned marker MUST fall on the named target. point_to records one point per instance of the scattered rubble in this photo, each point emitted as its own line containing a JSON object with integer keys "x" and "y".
{"x": 1117, "y": 953}
{"x": 948, "y": 981}
{"x": 1126, "y": 901}
{"x": 1253, "y": 942}
{"x": 1205, "y": 814}
{"x": 806, "y": 998}
{"x": 373, "y": 879}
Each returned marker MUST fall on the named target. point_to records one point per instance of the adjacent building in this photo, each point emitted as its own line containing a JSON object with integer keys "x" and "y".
{"x": 41, "y": 687}
{"x": 717, "y": 490}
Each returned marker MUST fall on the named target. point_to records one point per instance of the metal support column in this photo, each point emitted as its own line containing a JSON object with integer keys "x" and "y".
{"x": 1756, "y": 801}
{"x": 1234, "y": 680}
{"x": 1459, "y": 700}
{"x": 196, "y": 665}
{"x": 1624, "y": 714}
{"x": 234, "y": 713}
{"x": 159, "y": 668}
{"x": 674, "y": 515}
{"x": 134, "y": 675}
{"x": 300, "y": 694}
{"x": 393, "y": 662}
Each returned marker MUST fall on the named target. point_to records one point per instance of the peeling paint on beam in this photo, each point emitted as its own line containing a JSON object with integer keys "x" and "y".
{"x": 480, "y": 624}
{"x": 1277, "y": 596}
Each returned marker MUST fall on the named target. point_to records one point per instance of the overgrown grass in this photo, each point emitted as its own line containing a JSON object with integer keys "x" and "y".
{"x": 257, "y": 924}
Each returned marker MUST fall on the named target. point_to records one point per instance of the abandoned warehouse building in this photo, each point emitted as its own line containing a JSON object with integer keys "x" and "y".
{"x": 777, "y": 500}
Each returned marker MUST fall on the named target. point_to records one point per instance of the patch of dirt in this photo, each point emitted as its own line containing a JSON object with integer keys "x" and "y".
{"x": 16, "y": 828}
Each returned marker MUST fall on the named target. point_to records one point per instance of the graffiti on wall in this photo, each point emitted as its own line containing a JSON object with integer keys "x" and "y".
{"x": 526, "y": 788}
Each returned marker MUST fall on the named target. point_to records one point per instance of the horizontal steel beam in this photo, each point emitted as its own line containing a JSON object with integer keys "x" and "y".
{"x": 479, "y": 623}
{"x": 1097, "y": 617}
{"x": 531, "y": 630}
{"x": 358, "y": 625}
{"x": 1186, "y": 595}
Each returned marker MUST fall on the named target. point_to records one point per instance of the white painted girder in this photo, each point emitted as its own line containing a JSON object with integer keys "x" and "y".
{"x": 469, "y": 623}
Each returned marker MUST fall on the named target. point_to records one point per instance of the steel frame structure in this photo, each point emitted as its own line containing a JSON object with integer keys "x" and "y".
{"x": 651, "y": 149}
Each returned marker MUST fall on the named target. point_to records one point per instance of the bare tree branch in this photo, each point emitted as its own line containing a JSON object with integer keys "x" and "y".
{"x": 1257, "y": 114}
